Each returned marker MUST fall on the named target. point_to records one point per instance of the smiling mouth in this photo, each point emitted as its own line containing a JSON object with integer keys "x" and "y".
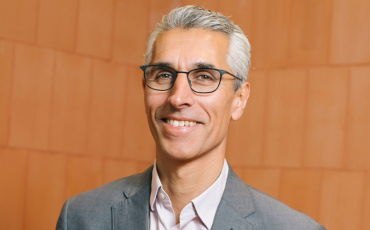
{"x": 180, "y": 123}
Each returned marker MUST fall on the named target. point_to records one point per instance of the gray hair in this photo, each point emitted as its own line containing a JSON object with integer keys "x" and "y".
{"x": 188, "y": 17}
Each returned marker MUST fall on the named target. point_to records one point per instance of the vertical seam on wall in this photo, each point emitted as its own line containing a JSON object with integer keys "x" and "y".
{"x": 280, "y": 183}
{"x": 346, "y": 119}
{"x": 51, "y": 110}
{"x": 290, "y": 20}
{"x": 320, "y": 195}
{"x": 26, "y": 191}
{"x": 89, "y": 107}
{"x": 264, "y": 128}
{"x": 329, "y": 49}
{"x": 37, "y": 21}
{"x": 66, "y": 178}
{"x": 101, "y": 175}
{"x": 363, "y": 208}
{"x": 103, "y": 172}
{"x": 251, "y": 29}
{"x": 125, "y": 99}
{"x": 305, "y": 119}
{"x": 149, "y": 9}
{"x": 12, "y": 75}
{"x": 77, "y": 25}
{"x": 113, "y": 27}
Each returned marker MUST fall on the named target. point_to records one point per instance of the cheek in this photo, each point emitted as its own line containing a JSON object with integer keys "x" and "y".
{"x": 153, "y": 101}
{"x": 219, "y": 111}
{"x": 152, "y": 106}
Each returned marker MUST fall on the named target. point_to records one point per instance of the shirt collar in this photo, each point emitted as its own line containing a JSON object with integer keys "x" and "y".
{"x": 156, "y": 185}
{"x": 206, "y": 203}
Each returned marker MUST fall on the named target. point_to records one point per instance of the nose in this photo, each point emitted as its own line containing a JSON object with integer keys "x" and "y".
{"x": 181, "y": 95}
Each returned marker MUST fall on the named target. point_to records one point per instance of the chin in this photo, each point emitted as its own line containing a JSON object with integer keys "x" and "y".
{"x": 180, "y": 153}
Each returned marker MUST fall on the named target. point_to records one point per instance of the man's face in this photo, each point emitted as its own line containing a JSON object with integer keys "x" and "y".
{"x": 184, "y": 50}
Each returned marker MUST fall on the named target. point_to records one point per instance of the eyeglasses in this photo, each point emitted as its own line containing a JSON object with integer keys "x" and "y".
{"x": 204, "y": 80}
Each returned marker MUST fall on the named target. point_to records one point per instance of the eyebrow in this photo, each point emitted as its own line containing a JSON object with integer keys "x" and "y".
{"x": 166, "y": 64}
{"x": 198, "y": 65}
{"x": 204, "y": 65}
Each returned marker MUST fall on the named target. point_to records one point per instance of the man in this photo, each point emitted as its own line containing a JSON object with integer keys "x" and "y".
{"x": 194, "y": 83}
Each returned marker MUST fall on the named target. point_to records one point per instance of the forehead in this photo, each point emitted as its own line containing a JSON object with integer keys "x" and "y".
{"x": 182, "y": 49}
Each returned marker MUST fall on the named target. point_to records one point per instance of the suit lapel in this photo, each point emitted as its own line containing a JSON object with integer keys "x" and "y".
{"x": 232, "y": 212}
{"x": 133, "y": 212}
{"x": 227, "y": 218}
{"x": 235, "y": 206}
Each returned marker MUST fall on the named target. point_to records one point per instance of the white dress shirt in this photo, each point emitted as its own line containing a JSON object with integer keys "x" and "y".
{"x": 197, "y": 215}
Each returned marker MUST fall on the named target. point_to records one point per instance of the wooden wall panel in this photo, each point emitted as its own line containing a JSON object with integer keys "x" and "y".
{"x": 159, "y": 8}
{"x": 46, "y": 183}
{"x": 107, "y": 109}
{"x": 31, "y": 97}
{"x": 240, "y": 12}
{"x": 13, "y": 174}
{"x": 350, "y": 32}
{"x": 285, "y": 114}
{"x": 72, "y": 115}
{"x": 95, "y": 26}
{"x": 358, "y": 146}
{"x": 271, "y": 26}
{"x": 18, "y": 19}
{"x": 326, "y": 117}
{"x": 342, "y": 197}
{"x": 83, "y": 173}
{"x": 366, "y": 204}
{"x": 57, "y": 23}
{"x": 6, "y": 70}
{"x": 130, "y": 38}
{"x": 70, "y": 103}
{"x": 264, "y": 179}
{"x": 300, "y": 189}
{"x": 310, "y": 32}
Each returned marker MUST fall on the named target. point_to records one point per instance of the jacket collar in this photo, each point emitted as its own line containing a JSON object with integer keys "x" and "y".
{"x": 238, "y": 195}
{"x": 235, "y": 206}
{"x": 133, "y": 212}
{"x": 232, "y": 212}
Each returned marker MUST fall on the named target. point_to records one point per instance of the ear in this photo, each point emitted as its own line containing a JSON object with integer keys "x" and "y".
{"x": 143, "y": 83}
{"x": 241, "y": 97}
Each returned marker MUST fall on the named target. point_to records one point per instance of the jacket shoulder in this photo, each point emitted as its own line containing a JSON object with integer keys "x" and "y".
{"x": 93, "y": 207}
{"x": 115, "y": 191}
{"x": 271, "y": 213}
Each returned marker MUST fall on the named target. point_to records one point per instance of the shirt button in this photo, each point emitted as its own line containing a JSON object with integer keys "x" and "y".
{"x": 161, "y": 196}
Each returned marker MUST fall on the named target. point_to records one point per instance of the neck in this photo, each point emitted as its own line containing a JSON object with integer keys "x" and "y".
{"x": 185, "y": 180}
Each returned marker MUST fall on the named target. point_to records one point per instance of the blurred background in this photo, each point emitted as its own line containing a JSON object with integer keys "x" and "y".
{"x": 72, "y": 115}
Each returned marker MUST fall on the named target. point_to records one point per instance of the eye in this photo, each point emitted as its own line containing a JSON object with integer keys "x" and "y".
{"x": 204, "y": 77}
{"x": 164, "y": 76}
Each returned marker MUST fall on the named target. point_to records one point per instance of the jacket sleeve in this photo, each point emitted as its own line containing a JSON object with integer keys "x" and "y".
{"x": 63, "y": 218}
{"x": 320, "y": 227}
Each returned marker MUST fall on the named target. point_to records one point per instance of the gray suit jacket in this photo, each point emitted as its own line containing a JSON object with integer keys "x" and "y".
{"x": 124, "y": 205}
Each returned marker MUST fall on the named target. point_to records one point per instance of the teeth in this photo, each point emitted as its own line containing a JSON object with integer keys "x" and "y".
{"x": 180, "y": 123}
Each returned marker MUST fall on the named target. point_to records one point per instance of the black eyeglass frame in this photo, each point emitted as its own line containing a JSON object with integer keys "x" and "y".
{"x": 222, "y": 72}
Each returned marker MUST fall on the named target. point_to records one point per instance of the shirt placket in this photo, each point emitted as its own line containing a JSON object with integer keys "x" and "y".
{"x": 165, "y": 211}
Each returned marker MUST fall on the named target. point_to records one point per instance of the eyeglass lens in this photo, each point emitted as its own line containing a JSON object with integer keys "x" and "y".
{"x": 201, "y": 80}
